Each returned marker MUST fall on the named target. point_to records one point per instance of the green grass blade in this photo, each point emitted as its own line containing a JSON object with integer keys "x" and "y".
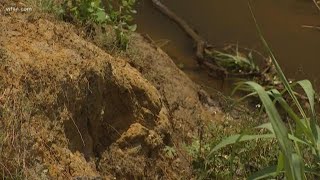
{"x": 264, "y": 173}
{"x": 277, "y": 67}
{"x": 294, "y": 138}
{"x": 314, "y": 172}
{"x": 318, "y": 142}
{"x": 240, "y": 87}
{"x": 271, "y": 171}
{"x": 267, "y": 126}
{"x": 275, "y": 119}
{"x": 278, "y": 126}
{"x": 309, "y": 91}
{"x": 287, "y": 86}
{"x": 298, "y": 166}
{"x": 281, "y": 163}
{"x": 278, "y": 97}
{"x": 239, "y": 138}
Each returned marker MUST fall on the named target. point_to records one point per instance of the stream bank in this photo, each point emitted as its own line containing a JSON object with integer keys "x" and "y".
{"x": 230, "y": 22}
{"x": 74, "y": 107}
{"x": 71, "y": 110}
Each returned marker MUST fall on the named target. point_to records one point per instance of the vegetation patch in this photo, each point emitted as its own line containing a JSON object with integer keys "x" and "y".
{"x": 236, "y": 161}
{"x": 118, "y": 14}
{"x": 297, "y": 135}
{"x": 79, "y": 109}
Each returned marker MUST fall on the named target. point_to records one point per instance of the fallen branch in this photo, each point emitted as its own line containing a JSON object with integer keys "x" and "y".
{"x": 204, "y": 50}
{"x": 311, "y": 27}
{"x": 201, "y": 45}
{"x": 206, "y": 54}
{"x": 316, "y": 4}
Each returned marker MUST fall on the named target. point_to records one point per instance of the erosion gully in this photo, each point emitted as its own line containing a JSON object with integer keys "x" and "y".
{"x": 223, "y": 22}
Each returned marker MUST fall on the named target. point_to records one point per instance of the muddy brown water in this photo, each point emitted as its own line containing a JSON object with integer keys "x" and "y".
{"x": 229, "y": 22}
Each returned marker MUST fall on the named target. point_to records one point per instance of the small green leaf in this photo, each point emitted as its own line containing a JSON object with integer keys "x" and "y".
{"x": 133, "y": 27}
{"x": 267, "y": 126}
{"x": 101, "y": 16}
{"x": 281, "y": 162}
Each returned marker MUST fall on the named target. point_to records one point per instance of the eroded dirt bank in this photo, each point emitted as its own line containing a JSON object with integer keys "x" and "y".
{"x": 68, "y": 109}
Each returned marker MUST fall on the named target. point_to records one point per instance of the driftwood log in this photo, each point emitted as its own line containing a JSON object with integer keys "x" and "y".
{"x": 201, "y": 44}
{"x": 265, "y": 76}
{"x": 202, "y": 47}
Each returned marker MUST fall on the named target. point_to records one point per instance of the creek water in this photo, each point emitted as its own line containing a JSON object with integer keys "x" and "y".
{"x": 222, "y": 22}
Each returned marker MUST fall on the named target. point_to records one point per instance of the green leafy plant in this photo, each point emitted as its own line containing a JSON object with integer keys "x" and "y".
{"x": 235, "y": 161}
{"x": 298, "y": 139}
{"x": 170, "y": 152}
{"x": 118, "y": 14}
{"x": 85, "y": 11}
{"x": 234, "y": 61}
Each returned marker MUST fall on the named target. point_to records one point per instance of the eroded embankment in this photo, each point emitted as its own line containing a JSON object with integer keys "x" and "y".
{"x": 69, "y": 109}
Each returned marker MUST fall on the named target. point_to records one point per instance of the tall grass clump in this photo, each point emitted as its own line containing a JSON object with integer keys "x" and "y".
{"x": 298, "y": 137}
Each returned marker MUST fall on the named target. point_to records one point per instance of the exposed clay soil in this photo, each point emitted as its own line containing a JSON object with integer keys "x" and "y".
{"x": 68, "y": 109}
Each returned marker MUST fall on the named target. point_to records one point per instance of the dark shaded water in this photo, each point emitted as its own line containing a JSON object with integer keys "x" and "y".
{"x": 229, "y": 21}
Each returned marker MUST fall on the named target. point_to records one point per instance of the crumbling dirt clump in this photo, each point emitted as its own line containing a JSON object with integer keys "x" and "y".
{"x": 68, "y": 109}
